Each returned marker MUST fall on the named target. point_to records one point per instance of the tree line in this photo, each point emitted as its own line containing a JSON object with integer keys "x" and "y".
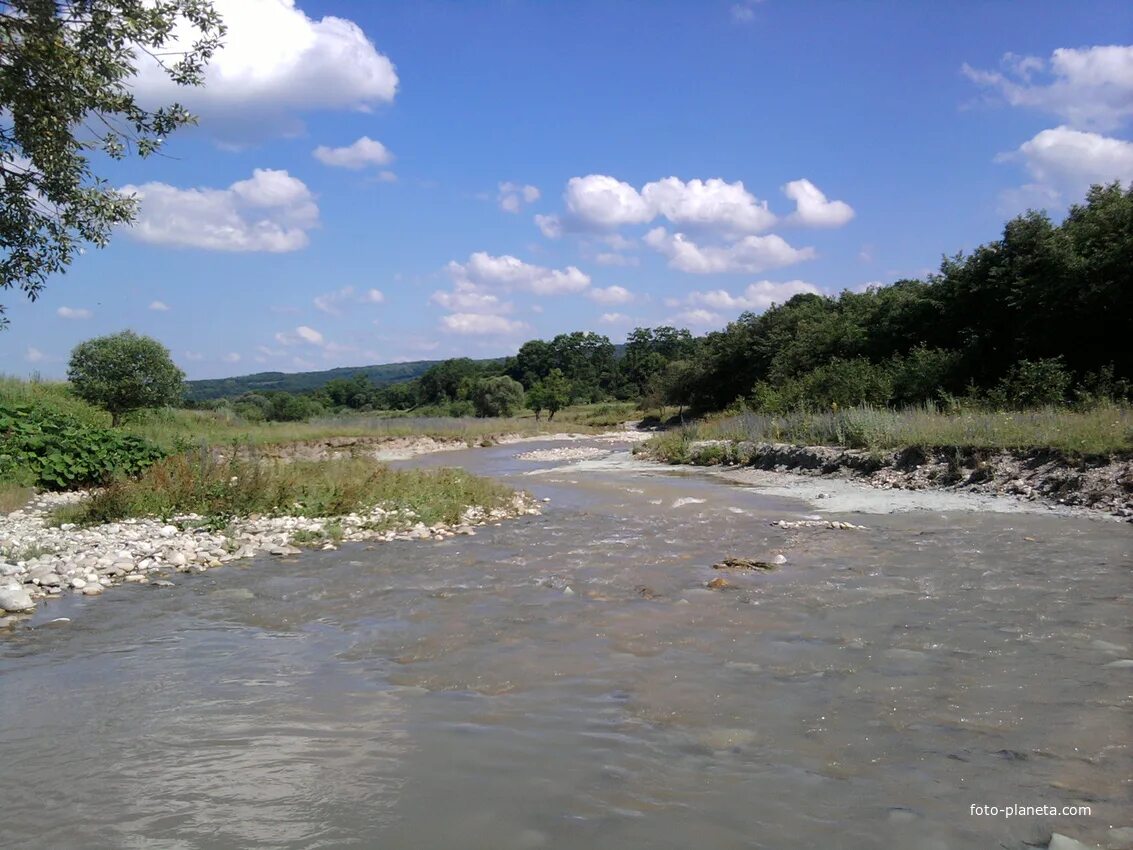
{"x": 1033, "y": 318}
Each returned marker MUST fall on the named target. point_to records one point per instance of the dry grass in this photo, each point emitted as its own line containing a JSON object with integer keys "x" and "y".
{"x": 13, "y": 496}
{"x": 1105, "y": 430}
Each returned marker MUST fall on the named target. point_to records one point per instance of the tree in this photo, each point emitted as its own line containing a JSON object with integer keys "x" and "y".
{"x": 124, "y": 372}
{"x": 556, "y": 392}
{"x": 66, "y": 67}
{"x": 500, "y": 396}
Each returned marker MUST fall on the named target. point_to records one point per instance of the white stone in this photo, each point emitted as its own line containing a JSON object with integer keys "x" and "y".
{"x": 15, "y": 598}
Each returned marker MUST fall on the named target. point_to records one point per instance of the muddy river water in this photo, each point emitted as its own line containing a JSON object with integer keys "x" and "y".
{"x": 567, "y": 681}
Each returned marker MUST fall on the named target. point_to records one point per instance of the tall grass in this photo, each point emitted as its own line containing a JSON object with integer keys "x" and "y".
{"x": 178, "y": 428}
{"x": 52, "y": 397}
{"x": 198, "y": 484}
{"x": 1098, "y": 431}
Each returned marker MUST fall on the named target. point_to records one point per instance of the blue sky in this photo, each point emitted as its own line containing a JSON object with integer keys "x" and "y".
{"x": 373, "y": 182}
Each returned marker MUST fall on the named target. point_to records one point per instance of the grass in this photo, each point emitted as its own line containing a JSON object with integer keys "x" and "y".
{"x": 1104, "y": 430}
{"x": 52, "y": 396}
{"x": 197, "y": 484}
{"x": 13, "y": 496}
{"x": 178, "y": 428}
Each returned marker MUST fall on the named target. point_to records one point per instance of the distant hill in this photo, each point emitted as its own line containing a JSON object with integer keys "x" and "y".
{"x": 296, "y": 382}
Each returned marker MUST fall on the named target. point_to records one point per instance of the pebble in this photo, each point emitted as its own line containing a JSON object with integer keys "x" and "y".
{"x": 89, "y": 560}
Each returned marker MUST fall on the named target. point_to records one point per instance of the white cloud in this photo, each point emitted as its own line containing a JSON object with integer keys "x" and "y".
{"x": 364, "y": 152}
{"x": 469, "y": 298}
{"x": 550, "y": 226}
{"x": 271, "y": 211}
{"x": 270, "y": 352}
{"x": 33, "y": 355}
{"x": 757, "y": 297}
{"x": 386, "y": 177}
{"x": 513, "y": 196}
{"x": 477, "y": 323}
{"x": 194, "y": 356}
{"x": 813, "y": 209}
{"x": 510, "y": 273}
{"x": 608, "y": 258}
{"x": 276, "y": 63}
{"x": 1068, "y": 159}
{"x": 1088, "y": 87}
{"x": 744, "y": 11}
{"x": 610, "y": 295}
{"x": 613, "y": 318}
{"x": 599, "y": 201}
{"x": 333, "y": 302}
{"x": 231, "y": 357}
{"x": 699, "y": 318}
{"x": 159, "y": 306}
{"x": 750, "y": 254}
{"x": 73, "y": 313}
{"x": 303, "y": 333}
{"x": 714, "y": 204}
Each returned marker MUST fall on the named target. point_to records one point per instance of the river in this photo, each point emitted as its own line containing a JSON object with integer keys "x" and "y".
{"x": 567, "y": 681}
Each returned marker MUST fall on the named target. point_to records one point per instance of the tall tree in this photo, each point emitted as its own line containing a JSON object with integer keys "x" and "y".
{"x": 66, "y": 67}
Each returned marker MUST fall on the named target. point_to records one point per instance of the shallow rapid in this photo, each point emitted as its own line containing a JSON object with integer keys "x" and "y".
{"x": 568, "y": 681}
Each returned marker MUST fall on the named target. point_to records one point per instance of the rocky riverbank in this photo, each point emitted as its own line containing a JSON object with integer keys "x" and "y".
{"x": 40, "y": 562}
{"x": 1102, "y": 484}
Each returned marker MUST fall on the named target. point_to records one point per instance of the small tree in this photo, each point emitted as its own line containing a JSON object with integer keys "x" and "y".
{"x": 556, "y": 392}
{"x": 124, "y": 372}
{"x": 500, "y": 396}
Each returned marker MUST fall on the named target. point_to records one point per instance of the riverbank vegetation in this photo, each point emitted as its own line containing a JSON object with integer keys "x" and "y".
{"x": 1097, "y": 431}
{"x": 221, "y": 491}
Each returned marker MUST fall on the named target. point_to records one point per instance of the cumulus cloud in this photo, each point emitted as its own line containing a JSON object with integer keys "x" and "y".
{"x": 749, "y": 254}
{"x": 334, "y": 302}
{"x": 231, "y": 357}
{"x": 812, "y": 207}
{"x": 360, "y": 154}
{"x": 271, "y": 211}
{"x": 276, "y": 63}
{"x": 301, "y": 334}
{"x": 757, "y": 297}
{"x": 479, "y": 323}
{"x": 513, "y": 196}
{"x": 1087, "y": 88}
{"x": 613, "y": 318}
{"x": 609, "y": 258}
{"x": 698, "y": 318}
{"x": 33, "y": 355}
{"x": 73, "y": 313}
{"x": 1063, "y": 158}
{"x": 599, "y": 201}
{"x": 194, "y": 356}
{"x": 744, "y": 11}
{"x": 467, "y": 297}
{"x": 159, "y": 306}
{"x": 610, "y": 295}
{"x": 510, "y": 273}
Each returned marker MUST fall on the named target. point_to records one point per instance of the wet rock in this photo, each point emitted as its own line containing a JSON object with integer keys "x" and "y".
{"x": 646, "y": 592}
{"x": 1123, "y": 663}
{"x": 718, "y": 584}
{"x": 15, "y": 598}
{"x": 283, "y": 551}
{"x": 1120, "y": 837}
{"x": 161, "y": 583}
{"x": 1062, "y": 842}
{"x": 1106, "y": 646}
{"x": 743, "y": 564}
{"x": 92, "y": 590}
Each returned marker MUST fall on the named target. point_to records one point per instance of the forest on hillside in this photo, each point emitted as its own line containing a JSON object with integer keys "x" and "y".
{"x": 1036, "y": 317}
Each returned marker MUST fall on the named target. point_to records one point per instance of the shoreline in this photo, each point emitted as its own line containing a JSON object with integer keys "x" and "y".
{"x": 1035, "y": 479}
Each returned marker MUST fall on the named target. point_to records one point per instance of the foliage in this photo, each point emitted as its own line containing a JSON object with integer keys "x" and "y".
{"x": 124, "y": 372}
{"x": 51, "y": 397}
{"x": 66, "y": 90}
{"x": 1033, "y": 383}
{"x": 44, "y": 449}
{"x": 221, "y": 490}
{"x": 501, "y": 396}
{"x": 552, "y": 394}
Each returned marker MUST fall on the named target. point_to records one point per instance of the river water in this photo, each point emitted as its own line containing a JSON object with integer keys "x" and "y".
{"x": 566, "y": 681}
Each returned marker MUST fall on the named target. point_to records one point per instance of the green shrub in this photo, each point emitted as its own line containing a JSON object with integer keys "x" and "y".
{"x": 1033, "y": 383}
{"x": 56, "y": 452}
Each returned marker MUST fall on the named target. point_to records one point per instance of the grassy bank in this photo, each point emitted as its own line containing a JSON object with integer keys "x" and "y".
{"x": 222, "y": 491}
{"x": 1104, "y": 430}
